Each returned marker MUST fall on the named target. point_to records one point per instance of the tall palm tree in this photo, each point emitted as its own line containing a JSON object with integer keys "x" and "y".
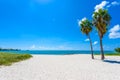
{"x": 101, "y": 19}
{"x": 86, "y": 28}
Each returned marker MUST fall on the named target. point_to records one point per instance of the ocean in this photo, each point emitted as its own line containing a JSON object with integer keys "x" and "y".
{"x": 56, "y": 52}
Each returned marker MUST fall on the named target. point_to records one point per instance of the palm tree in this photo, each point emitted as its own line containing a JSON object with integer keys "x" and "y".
{"x": 86, "y": 28}
{"x": 101, "y": 19}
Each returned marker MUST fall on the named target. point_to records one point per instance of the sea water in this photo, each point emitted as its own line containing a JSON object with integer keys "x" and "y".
{"x": 56, "y": 52}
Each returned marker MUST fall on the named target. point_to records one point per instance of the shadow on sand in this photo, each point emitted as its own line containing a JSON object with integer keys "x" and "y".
{"x": 112, "y": 61}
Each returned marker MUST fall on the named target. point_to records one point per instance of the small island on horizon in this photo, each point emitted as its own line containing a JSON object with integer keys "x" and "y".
{"x": 9, "y": 49}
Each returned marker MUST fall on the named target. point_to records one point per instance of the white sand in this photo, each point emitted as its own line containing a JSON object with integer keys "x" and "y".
{"x": 66, "y": 67}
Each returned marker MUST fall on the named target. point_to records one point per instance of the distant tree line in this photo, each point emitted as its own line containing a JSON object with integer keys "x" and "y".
{"x": 117, "y": 50}
{"x": 9, "y": 49}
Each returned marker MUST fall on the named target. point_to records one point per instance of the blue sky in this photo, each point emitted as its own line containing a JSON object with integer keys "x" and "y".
{"x": 53, "y": 24}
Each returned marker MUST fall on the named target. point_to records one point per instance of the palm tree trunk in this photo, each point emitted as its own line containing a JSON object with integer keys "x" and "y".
{"x": 91, "y": 47}
{"x": 101, "y": 47}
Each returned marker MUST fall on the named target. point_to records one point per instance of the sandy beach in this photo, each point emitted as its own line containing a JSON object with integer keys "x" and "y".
{"x": 63, "y": 67}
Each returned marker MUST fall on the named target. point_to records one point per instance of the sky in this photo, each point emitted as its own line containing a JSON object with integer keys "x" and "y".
{"x": 54, "y": 24}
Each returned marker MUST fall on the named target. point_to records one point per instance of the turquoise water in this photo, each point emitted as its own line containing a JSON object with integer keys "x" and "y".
{"x": 56, "y": 52}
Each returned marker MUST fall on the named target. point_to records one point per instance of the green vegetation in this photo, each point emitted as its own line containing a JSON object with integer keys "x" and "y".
{"x": 86, "y": 28}
{"x": 117, "y": 50}
{"x": 9, "y": 58}
{"x": 113, "y": 54}
{"x": 110, "y": 54}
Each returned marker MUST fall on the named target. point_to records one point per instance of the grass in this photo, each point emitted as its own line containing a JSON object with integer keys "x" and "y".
{"x": 111, "y": 54}
{"x": 9, "y": 58}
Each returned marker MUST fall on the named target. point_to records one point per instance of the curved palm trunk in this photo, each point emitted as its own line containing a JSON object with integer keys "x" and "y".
{"x": 91, "y": 47}
{"x": 101, "y": 47}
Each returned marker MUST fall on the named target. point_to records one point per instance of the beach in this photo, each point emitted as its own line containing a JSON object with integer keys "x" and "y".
{"x": 63, "y": 67}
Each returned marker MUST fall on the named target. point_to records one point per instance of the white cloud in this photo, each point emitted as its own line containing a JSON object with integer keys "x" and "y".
{"x": 60, "y": 47}
{"x": 107, "y": 4}
{"x": 115, "y": 3}
{"x": 95, "y": 42}
{"x": 83, "y": 19}
{"x": 101, "y": 5}
{"x": 44, "y": 48}
{"x": 87, "y": 40}
{"x": 115, "y": 28}
{"x": 49, "y": 48}
{"x": 114, "y": 32}
{"x": 32, "y": 47}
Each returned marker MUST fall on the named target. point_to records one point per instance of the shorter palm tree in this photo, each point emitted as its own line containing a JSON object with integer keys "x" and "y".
{"x": 86, "y": 28}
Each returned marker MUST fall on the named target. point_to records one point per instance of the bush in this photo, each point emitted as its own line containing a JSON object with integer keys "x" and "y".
{"x": 9, "y": 58}
{"x": 117, "y": 50}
